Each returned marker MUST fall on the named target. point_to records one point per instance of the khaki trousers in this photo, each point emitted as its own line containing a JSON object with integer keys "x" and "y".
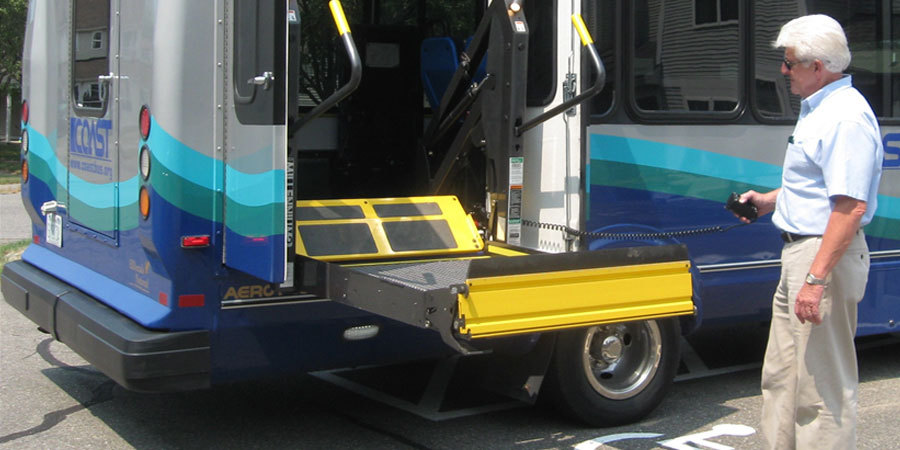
{"x": 809, "y": 377}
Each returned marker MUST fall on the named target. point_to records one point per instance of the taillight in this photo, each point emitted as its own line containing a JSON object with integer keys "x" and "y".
{"x": 144, "y": 202}
{"x": 25, "y": 112}
{"x": 24, "y": 143}
{"x": 144, "y": 122}
{"x": 195, "y": 241}
{"x": 144, "y": 159}
{"x": 25, "y": 171}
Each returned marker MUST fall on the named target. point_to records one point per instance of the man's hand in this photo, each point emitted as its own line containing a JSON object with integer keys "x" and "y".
{"x": 765, "y": 203}
{"x": 806, "y": 307}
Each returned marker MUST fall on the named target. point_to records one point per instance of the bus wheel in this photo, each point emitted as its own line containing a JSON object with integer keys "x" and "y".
{"x": 614, "y": 374}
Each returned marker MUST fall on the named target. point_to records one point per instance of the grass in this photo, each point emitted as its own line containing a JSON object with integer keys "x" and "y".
{"x": 10, "y": 170}
{"x": 10, "y": 164}
{"x": 12, "y": 251}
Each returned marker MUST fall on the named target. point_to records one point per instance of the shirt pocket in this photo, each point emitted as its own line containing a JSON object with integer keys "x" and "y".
{"x": 799, "y": 165}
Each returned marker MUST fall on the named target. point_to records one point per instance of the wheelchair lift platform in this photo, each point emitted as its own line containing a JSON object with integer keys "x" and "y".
{"x": 422, "y": 261}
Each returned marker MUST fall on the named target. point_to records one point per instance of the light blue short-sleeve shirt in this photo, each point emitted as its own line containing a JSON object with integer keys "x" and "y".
{"x": 835, "y": 150}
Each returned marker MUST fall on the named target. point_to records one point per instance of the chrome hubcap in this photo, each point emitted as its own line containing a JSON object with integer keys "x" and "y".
{"x": 620, "y": 360}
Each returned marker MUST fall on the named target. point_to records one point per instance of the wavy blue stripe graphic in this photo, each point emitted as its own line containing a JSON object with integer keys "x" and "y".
{"x": 888, "y": 207}
{"x": 699, "y": 162}
{"x": 92, "y": 194}
{"x": 181, "y": 159}
{"x": 683, "y": 159}
{"x": 257, "y": 189}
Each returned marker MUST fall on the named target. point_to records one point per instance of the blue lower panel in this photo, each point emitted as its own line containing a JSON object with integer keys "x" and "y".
{"x": 738, "y": 295}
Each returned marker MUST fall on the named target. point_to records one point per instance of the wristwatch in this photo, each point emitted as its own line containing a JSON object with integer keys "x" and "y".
{"x": 813, "y": 280}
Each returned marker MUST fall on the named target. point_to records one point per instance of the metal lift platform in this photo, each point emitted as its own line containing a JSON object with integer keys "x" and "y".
{"x": 421, "y": 261}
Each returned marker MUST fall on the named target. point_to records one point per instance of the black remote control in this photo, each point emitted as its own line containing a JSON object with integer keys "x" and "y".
{"x": 747, "y": 209}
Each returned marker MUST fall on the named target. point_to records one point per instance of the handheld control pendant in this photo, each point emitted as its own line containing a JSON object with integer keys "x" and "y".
{"x": 747, "y": 209}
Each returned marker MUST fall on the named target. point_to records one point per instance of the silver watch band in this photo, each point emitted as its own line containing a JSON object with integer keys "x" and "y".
{"x": 813, "y": 280}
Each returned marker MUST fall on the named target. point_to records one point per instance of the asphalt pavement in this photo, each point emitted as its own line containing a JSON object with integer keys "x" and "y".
{"x": 51, "y": 398}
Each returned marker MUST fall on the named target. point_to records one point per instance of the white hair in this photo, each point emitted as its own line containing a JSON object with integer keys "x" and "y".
{"x": 816, "y": 36}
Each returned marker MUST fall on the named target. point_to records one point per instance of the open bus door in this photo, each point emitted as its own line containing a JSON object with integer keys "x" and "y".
{"x": 255, "y": 139}
{"x": 93, "y": 150}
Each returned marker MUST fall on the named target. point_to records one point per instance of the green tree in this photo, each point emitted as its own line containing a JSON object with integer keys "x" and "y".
{"x": 12, "y": 38}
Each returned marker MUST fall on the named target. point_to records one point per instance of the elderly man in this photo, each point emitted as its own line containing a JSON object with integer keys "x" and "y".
{"x": 832, "y": 168}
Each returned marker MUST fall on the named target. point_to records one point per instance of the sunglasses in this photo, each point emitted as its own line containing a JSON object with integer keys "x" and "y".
{"x": 790, "y": 65}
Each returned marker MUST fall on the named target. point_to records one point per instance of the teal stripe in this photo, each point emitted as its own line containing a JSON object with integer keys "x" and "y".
{"x": 684, "y": 159}
{"x": 182, "y": 160}
{"x": 255, "y": 221}
{"x": 98, "y": 196}
{"x": 888, "y": 207}
{"x": 632, "y": 176}
{"x": 257, "y": 189}
{"x": 101, "y": 196}
{"x": 53, "y": 173}
{"x": 675, "y": 158}
{"x": 182, "y": 193}
{"x": 254, "y": 189}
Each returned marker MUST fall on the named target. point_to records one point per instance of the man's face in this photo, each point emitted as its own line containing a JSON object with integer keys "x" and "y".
{"x": 804, "y": 74}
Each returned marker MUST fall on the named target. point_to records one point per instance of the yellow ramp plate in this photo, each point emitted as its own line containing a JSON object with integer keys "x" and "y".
{"x": 372, "y": 228}
{"x": 542, "y": 301}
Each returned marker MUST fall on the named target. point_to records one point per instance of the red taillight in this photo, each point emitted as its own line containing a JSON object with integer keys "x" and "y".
{"x": 195, "y": 241}
{"x": 145, "y": 122}
{"x": 191, "y": 301}
{"x": 25, "y": 112}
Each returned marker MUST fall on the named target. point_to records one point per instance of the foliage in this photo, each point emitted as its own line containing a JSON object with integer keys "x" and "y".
{"x": 12, "y": 37}
{"x": 12, "y": 251}
{"x": 10, "y": 163}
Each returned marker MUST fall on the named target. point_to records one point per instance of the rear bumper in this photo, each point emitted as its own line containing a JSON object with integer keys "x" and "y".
{"x": 137, "y": 358}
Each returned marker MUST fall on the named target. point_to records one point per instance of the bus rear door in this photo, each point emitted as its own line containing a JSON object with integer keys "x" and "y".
{"x": 256, "y": 139}
{"x": 93, "y": 183}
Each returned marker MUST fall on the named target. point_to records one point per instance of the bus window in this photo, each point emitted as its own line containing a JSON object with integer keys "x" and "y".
{"x": 873, "y": 38}
{"x": 90, "y": 45}
{"x": 601, "y": 18}
{"x": 685, "y": 57}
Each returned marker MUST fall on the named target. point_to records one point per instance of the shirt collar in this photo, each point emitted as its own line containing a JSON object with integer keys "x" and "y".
{"x": 810, "y": 103}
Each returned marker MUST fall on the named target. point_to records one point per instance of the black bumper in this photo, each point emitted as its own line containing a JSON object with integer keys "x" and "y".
{"x": 135, "y": 357}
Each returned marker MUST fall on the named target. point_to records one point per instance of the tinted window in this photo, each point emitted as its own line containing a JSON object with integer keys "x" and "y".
{"x": 685, "y": 56}
{"x": 258, "y": 54}
{"x": 873, "y": 41}
{"x": 90, "y": 47}
{"x": 601, "y": 20}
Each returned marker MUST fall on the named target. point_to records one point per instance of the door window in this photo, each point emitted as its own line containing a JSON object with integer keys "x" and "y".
{"x": 90, "y": 61}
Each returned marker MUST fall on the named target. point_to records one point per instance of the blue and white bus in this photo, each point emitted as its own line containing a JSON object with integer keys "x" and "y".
{"x": 238, "y": 189}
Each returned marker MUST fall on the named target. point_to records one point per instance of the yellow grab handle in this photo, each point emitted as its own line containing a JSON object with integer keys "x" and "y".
{"x": 586, "y": 38}
{"x": 337, "y": 11}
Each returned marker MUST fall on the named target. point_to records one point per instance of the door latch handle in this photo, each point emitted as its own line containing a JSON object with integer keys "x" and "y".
{"x": 52, "y": 206}
{"x": 110, "y": 77}
{"x": 263, "y": 80}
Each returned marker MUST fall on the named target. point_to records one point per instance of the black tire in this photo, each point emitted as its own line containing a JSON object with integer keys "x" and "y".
{"x": 609, "y": 375}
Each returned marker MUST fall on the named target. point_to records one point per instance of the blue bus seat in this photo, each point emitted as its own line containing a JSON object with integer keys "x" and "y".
{"x": 439, "y": 61}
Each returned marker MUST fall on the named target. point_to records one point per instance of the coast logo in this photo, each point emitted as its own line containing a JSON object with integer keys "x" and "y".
{"x": 90, "y": 137}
